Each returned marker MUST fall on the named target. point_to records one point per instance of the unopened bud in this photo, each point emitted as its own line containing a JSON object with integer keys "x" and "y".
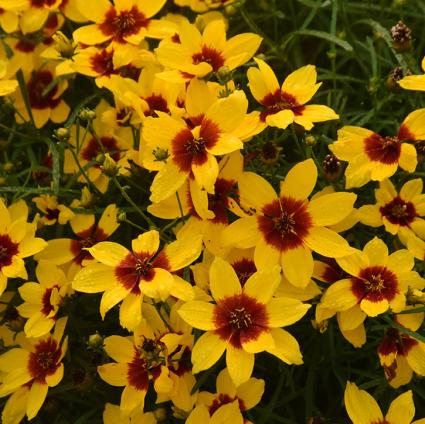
{"x": 396, "y": 75}
{"x": 331, "y": 167}
{"x": 95, "y": 341}
{"x": 224, "y": 75}
{"x": 160, "y": 414}
{"x": 87, "y": 114}
{"x": 161, "y": 155}
{"x": 401, "y": 35}
{"x": 63, "y": 45}
{"x": 310, "y": 140}
{"x": 109, "y": 166}
{"x": 62, "y": 134}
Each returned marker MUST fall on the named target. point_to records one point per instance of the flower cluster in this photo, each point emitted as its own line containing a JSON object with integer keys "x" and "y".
{"x": 188, "y": 219}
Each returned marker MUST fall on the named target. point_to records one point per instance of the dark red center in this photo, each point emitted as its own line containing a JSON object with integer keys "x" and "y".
{"x": 239, "y": 319}
{"x": 101, "y": 145}
{"x": 211, "y": 56}
{"x": 244, "y": 269}
{"x": 279, "y": 100}
{"x": 375, "y": 283}
{"x": 399, "y": 212}
{"x": 137, "y": 373}
{"x": 102, "y": 63}
{"x": 88, "y": 238}
{"x": 42, "y": 3}
{"x": 44, "y": 360}
{"x": 41, "y": 97}
{"x": 285, "y": 223}
{"x": 188, "y": 149}
{"x": 156, "y": 103}
{"x": 383, "y": 149}
{"x": 46, "y": 305}
{"x": 8, "y": 249}
{"x": 124, "y": 24}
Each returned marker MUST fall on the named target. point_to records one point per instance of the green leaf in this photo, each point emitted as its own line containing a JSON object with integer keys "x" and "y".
{"x": 326, "y": 36}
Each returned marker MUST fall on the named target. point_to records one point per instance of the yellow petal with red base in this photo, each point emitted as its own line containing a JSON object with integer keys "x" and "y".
{"x": 286, "y": 347}
{"x": 207, "y": 351}
{"x": 146, "y": 243}
{"x": 263, "y": 342}
{"x": 302, "y": 83}
{"x": 339, "y": 296}
{"x": 280, "y": 119}
{"x": 36, "y": 398}
{"x": 239, "y": 364}
{"x": 300, "y": 180}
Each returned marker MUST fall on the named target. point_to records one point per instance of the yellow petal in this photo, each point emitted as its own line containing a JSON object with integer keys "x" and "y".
{"x": 332, "y": 208}
{"x": 198, "y": 314}
{"x": 239, "y": 364}
{"x": 109, "y": 253}
{"x": 339, "y": 296}
{"x": 297, "y": 266}
{"x": 408, "y": 158}
{"x": 114, "y": 374}
{"x": 167, "y": 181}
{"x": 131, "y": 311}
{"x": 413, "y": 82}
{"x": 242, "y": 233}
{"x": 361, "y": 406}
{"x": 327, "y": 242}
{"x": 402, "y": 409}
{"x": 283, "y": 311}
{"x": 374, "y": 308}
{"x": 94, "y": 278}
{"x": 300, "y": 180}
{"x": 376, "y": 251}
{"x": 146, "y": 243}
{"x": 206, "y": 173}
{"x": 302, "y": 83}
{"x": 255, "y": 190}
{"x": 112, "y": 297}
{"x": 119, "y": 348}
{"x": 280, "y": 119}
{"x": 36, "y": 398}
{"x": 207, "y": 351}
{"x": 224, "y": 281}
{"x": 286, "y": 347}
{"x": 263, "y": 284}
{"x": 108, "y": 221}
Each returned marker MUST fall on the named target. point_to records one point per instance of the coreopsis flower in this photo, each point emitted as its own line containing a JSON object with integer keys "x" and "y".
{"x": 42, "y": 300}
{"x": 73, "y": 251}
{"x": 192, "y": 147}
{"x": 371, "y": 156}
{"x": 148, "y": 95}
{"x": 362, "y": 408}
{"x": 286, "y": 104}
{"x": 209, "y": 213}
{"x": 247, "y": 394}
{"x": 35, "y": 13}
{"x": 285, "y": 229}
{"x": 196, "y": 54}
{"x": 7, "y": 86}
{"x": 45, "y": 98}
{"x": 243, "y": 321}
{"x": 9, "y": 14}
{"x": 350, "y": 321}
{"x": 139, "y": 360}
{"x": 127, "y": 276}
{"x": 377, "y": 281}
{"x": 414, "y": 82}
{"x": 52, "y": 210}
{"x": 37, "y": 365}
{"x": 17, "y": 241}
{"x": 400, "y": 212}
{"x": 122, "y": 23}
{"x": 401, "y": 355}
{"x": 87, "y": 147}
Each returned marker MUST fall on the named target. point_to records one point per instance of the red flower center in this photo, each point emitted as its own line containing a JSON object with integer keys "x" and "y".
{"x": 375, "y": 283}
{"x": 383, "y": 149}
{"x": 46, "y": 306}
{"x": 285, "y": 223}
{"x": 188, "y": 149}
{"x": 244, "y": 269}
{"x": 37, "y": 87}
{"x": 399, "y": 212}
{"x": 8, "y": 249}
{"x": 279, "y": 100}
{"x": 102, "y": 63}
{"x": 124, "y": 24}
{"x": 44, "y": 360}
{"x": 156, "y": 103}
{"x": 42, "y": 3}
{"x": 211, "y": 56}
{"x": 88, "y": 238}
{"x": 102, "y": 145}
{"x": 239, "y": 319}
{"x": 137, "y": 373}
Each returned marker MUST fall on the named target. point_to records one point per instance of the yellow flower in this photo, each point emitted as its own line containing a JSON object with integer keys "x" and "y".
{"x": 284, "y": 105}
{"x": 147, "y": 357}
{"x": 112, "y": 415}
{"x": 53, "y": 212}
{"x": 401, "y": 355}
{"x": 42, "y": 300}
{"x": 9, "y": 18}
{"x": 17, "y": 241}
{"x": 37, "y": 365}
{"x": 363, "y": 409}
{"x": 196, "y": 55}
{"x": 414, "y": 82}
{"x": 400, "y": 213}
{"x": 229, "y": 413}
{"x": 124, "y": 22}
{"x": 376, "y": 281}
{"x": 247, "y": 394}
{"x": 371, "y": 156}
{"x": 65, "y": 250}
{"x": 192, "y": 146}
{"x": 243, "y": 321}
{"x": 127, "y": 276}
{"x": 286, "y": 229}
